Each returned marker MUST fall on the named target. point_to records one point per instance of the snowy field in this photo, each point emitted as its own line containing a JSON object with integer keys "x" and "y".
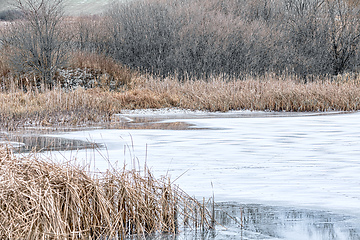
{"x": 303, "y": 161}
{"x": 83, "y": 7}
{"x": 72, "y": 7}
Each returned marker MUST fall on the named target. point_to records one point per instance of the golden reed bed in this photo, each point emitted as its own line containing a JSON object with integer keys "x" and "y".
{"x": 97, "y": 105}
{"x": 44, "y": 200}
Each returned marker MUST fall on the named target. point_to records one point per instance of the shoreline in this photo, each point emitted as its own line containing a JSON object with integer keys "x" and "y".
{"x": 96, "y": 106}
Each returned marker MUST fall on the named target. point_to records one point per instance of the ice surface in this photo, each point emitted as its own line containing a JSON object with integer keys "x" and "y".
{"x": 305, "y": 161}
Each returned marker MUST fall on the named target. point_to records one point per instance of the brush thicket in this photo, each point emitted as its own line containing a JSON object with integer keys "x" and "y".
{"x": 44, "y": 200}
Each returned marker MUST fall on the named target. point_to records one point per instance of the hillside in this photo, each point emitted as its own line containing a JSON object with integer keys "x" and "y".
{"x": 73, "y": 7}
{"x": 79, "y": 7}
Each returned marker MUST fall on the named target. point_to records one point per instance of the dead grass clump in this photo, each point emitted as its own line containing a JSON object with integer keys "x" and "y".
{"x": 118, "y": 74}
{"x": 58, "y": 107}
{"x": 76, "y": 108}
{"x": 269, "y": 92}
{"x": 44, "y": 200}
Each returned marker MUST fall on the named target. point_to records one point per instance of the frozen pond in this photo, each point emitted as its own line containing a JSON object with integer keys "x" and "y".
{"x": 295, "y": 161}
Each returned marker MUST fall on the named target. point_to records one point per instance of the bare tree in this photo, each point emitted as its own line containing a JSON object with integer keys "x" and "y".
{"x": 36, "y": 41}
{"x": 344, "y": 34}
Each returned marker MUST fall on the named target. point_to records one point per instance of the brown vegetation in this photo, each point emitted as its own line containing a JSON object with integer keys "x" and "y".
{"x": 117, "y": 73}
{"x": 269, "y": 93}
{"x": 44, "y": 200}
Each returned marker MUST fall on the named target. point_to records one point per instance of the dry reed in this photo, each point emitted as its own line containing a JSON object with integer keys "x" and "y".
{"x": 44, "y": 200}
{"x": 266, "y": 93}
{"x": 98, "y": 105}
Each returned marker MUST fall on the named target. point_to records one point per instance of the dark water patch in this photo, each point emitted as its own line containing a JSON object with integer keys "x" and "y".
{"x": 272, "y": 222}
{"x": 38, "y": 143}
{"x": 254, "y": 221}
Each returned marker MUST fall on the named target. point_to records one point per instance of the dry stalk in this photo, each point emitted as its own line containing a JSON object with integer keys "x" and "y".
{"x": 98, "y": 105}
{"x": 44, "y": 200}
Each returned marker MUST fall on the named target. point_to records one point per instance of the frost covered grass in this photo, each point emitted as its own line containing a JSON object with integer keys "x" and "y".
{"x": 98, "y": 105}
{"x": 44, "y": 200}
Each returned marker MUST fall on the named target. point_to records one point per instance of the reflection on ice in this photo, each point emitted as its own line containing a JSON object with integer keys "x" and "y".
{"x": 254, "y": 221}
{"x": 27, "y": 143}
{"x": 267, "y": 222}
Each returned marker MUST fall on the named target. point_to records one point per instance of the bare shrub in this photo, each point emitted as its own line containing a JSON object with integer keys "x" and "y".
{"x": 35, "y": 41}
{"x": 204, "y": 38}
{"x": 236, "y": 37}
{"x": 324, "y": 35}
{"x": 344, "y": 34}
{"x": 166, "y": 38}
{"x": 143, "y": 35}
{"x": 92, "y": 34}
{"x": 204, "y": 48}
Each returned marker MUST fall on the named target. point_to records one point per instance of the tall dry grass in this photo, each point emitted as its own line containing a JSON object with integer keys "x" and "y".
{"x": 269, "y": 92}
{"x": 78, "y": 107}
{"x": 97, "y": 105}
{"x": 44, "y": 200}
{"x": 54, "y": 107}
